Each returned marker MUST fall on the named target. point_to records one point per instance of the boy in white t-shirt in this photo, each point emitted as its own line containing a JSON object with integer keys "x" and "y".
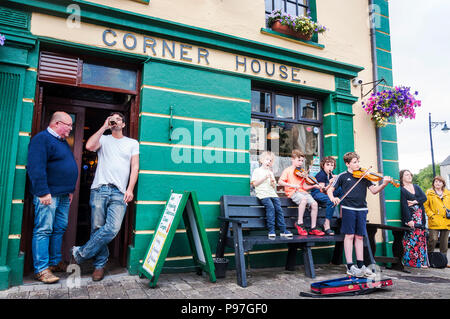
{"x": 264, "y": 182}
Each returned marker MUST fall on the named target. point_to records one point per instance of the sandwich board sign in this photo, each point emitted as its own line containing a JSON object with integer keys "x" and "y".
{"x": 180, "y": 205}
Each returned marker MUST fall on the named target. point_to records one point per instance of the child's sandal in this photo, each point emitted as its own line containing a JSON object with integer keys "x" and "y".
{"x": 329, "y": 232}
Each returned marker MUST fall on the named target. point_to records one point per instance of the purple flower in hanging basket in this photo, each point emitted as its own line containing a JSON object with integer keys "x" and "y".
{"x": 398, "y": 103}
{"x": 2, "y": 39}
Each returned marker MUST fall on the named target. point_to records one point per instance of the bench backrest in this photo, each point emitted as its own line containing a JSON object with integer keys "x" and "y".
{"x": 251, "y": 209}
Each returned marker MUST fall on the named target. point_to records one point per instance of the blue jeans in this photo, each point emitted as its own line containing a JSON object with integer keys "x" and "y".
{"x": 323, "y": 198}
{"x": 50, "y": 223}
{"x": 107, "y": 212}
{"x": 274, "y": 212}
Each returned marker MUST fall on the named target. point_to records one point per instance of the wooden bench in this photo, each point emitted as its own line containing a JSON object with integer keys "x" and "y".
{"x": 244, "y": 226}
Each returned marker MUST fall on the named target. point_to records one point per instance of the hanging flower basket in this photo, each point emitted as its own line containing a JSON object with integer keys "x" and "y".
{"x": 297, "y": 26}
{"x": 396, "y": 103}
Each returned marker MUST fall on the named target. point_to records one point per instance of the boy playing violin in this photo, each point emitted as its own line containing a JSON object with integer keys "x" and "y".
{"x": 325, "y": 177}
{"x": 296, "y": 189}
{"x": 354, "y": 212}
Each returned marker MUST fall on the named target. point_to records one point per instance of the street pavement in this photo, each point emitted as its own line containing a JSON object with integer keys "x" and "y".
{"x": 266, "y": 283}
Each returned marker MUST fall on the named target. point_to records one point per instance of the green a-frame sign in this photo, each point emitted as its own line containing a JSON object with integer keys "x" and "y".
{"x": 180, "y": 204}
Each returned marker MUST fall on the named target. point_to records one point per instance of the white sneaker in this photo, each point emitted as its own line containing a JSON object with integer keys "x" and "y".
{"x": 272, "y": 236}
{"x": 367, "y": 272}
{"x": 287, "y": 234}
{"x": 355, "y": 272}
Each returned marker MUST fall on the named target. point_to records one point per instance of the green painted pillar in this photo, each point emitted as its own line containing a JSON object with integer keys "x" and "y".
{"x": 387, "y": 135}
{"x": 18, "y": 65}
{"x": 338, "y": 122}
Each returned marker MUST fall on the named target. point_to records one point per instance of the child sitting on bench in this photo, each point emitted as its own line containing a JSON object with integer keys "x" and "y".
{"x": 297, "y": 190}
{"x": 264, "y": 182}
{"x": 325, "y": 178}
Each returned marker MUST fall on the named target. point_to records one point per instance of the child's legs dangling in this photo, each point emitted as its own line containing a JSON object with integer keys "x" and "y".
{"x": 279, "y": 214}
{"x": 270, "y": 214}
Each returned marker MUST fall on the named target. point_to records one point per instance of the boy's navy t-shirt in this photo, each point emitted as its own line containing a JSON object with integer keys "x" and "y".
{"x": 357, "y": 197}
{"x": 323, "y": 177}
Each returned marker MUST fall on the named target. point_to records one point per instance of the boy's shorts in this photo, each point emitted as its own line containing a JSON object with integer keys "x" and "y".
{"x": 354, "y": 221}
{"x": 297, "y": 198}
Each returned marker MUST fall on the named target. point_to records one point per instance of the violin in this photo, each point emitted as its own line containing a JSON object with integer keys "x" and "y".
{"x": 309, "y": 179}
{"x": 373, "y": 177}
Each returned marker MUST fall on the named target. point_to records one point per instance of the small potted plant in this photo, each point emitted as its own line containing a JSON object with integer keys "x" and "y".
{"x": 397, "y": 102}
{"x": 298, "y": 26}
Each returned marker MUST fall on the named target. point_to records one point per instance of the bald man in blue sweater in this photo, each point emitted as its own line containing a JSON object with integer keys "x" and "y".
{"x": 53, "y": 173}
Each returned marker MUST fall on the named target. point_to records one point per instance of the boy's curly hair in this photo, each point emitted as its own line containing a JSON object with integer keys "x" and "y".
{"x": 327, "y": 159}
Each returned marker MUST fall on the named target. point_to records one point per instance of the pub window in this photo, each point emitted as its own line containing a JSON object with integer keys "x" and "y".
{"x": 293, "y": 7}
{"x": 293, "y": 122}
{"x": 90, "y": 73}
{"x": 110, "y": 77}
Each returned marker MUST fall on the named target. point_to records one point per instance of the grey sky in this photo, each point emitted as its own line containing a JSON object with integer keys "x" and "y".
{"x": 420, "y": 39}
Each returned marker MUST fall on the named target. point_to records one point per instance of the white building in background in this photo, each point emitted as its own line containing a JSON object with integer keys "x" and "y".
{"x": 445, "y": 171}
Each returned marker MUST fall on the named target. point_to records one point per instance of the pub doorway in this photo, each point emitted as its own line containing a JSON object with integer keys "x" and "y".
{"x": 88, "y": 108}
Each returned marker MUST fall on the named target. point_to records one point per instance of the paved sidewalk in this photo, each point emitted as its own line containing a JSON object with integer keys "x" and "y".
{"x": 267, "y": 283}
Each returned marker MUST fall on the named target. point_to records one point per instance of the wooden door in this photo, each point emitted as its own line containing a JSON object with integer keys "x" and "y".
{"x": 75, "y": 141}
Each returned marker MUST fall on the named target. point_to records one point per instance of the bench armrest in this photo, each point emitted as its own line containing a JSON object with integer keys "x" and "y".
{"x": 232, "y": 220}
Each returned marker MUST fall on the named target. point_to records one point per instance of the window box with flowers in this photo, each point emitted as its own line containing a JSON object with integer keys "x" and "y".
{"x": 300, "y": 27}
{"x": 396, "y": 103}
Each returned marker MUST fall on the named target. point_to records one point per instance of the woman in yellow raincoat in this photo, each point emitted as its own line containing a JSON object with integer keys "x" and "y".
{"x": 438, "y": 202}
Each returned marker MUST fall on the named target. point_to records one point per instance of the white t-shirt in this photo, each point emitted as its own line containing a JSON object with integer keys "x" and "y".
{"x": 114, "y": 161}
{"x": 264, "y": 189}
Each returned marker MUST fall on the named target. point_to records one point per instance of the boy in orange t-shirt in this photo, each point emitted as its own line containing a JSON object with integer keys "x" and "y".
{"x": 297, "y": 190}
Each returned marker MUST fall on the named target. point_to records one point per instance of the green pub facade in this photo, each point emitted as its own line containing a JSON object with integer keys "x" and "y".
{"x": 204, "y": 91}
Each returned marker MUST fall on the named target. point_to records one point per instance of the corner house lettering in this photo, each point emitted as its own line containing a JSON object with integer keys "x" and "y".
{"x": 187, "y": 53}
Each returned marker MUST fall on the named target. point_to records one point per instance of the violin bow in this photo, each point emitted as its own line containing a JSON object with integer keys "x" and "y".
{"x": 351, "y": 188}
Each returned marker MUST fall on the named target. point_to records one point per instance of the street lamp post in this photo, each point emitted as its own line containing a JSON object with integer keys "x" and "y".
{"x": 432, "y": 125}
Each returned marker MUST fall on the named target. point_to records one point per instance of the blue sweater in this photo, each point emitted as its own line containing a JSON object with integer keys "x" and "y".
{"x": 51, "y": 166}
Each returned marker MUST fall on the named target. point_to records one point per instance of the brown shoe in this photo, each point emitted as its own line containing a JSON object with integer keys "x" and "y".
{"x": 60, "y": 267}
{"x": 46, "y": 276}
{"x": 98, "y": 274}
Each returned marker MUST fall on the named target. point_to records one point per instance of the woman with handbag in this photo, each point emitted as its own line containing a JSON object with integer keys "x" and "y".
{"x": 437, "y": 208}
{"x": 413, "y": 215}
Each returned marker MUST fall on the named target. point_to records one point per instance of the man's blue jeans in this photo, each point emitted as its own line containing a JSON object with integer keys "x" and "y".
{"x": 50, "y": 223}
{"x": 107, "y": 212}
{"x": 274, "y": 212}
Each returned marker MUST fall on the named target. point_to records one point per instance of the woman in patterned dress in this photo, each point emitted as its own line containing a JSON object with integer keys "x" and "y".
{"x": 413, "y": 215}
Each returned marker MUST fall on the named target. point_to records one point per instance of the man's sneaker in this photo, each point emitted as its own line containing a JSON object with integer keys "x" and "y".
{"x": 272, "y": 236}
{"x": 287, "y": 234}
{"x": 355, "y": 272}
{"x": 367, "y": 272}
{"x": 300, "y": 230}
{"x": 316, "y": 231}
